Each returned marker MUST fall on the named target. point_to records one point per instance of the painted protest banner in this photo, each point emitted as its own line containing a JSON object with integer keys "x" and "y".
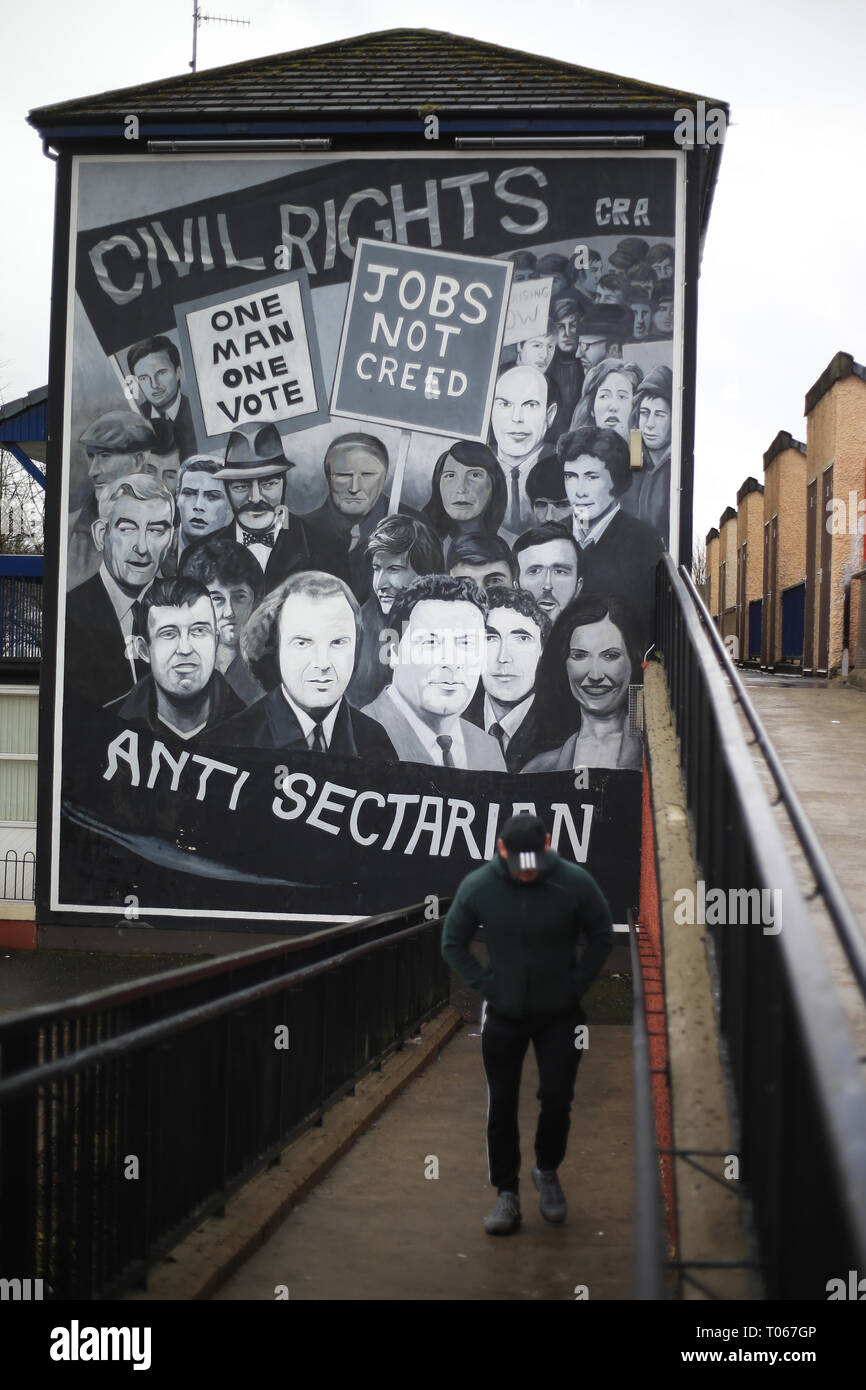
{"x": 528, "y": 310}
{"x": 254, "y": 357}
{"x": 252, "y": 829}
{"x": 421, "y": 336}
{"x": 130, "y": 268}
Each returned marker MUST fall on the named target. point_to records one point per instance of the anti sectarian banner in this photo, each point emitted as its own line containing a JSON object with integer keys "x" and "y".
{"x": 423, "y": 331}
{"x": 353, "y": 561}
{"x": 149, "y": 822}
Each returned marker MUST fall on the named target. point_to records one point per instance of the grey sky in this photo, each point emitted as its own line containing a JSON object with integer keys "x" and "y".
{"x": 783, "y": 282}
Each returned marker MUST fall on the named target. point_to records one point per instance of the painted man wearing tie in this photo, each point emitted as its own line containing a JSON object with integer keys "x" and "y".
{"x": 520, "y": 419}
{"x": 311, "y": 622}
{"x": 155, "y": 366}
{"x": 132, "y": 533}
{"x": 255, "y": 477}
{"x": 437, "y": 664}
{"x": 504, "y": 703}
{"x": 618, "y": 553}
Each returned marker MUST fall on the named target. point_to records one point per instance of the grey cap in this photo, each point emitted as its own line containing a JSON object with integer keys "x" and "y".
{"x": 120, "y": 430}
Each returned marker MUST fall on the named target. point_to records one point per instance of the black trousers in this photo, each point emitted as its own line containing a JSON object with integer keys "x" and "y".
{"x": 503, "y": 1047}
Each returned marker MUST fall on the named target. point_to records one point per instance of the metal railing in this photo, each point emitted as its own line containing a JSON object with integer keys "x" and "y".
{"x": 20, "y": 618}
{"x": 827, "y": 885}
{"x": 19, "y": 876}
{"x": 128, "y": 1115}
{"x": 798, "y": 1082}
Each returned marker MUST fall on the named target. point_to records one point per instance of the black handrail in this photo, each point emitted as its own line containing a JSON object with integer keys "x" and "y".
{"x": 317, "y": 945}
{"x": 130, "y": 1114}
{"x": 838, "y": 908}
{"x": 797, "y": 1077}
{"x": 170, "y": 1027}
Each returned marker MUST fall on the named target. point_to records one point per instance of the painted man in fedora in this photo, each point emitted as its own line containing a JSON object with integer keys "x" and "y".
{"x": 255, "y": 479}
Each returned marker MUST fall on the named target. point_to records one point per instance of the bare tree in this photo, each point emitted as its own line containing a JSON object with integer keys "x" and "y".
{"x": 22, "y": 508}
{"x": 22, "y": 515}
{"x": 699, "y": 564}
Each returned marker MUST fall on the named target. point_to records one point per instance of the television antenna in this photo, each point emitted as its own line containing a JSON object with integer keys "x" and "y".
{"x": 199, "y": 18}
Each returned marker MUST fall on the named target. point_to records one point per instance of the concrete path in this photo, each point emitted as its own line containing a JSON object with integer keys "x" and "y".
{"x": 819, "y": 731}
{"x": 376, "y": 1228}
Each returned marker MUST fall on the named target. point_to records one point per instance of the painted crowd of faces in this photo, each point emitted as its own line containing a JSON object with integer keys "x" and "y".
{"x": 537, "y": 683}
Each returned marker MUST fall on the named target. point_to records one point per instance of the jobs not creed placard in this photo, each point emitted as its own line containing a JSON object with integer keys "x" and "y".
{"x": 422, "y": 329}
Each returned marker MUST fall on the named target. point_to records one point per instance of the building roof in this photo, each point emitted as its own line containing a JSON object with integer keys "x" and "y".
{"x": 393, "y": 70}
{"x": 24, "y": 419}
{"x": 842, "y": 365}
{"x": 783, "y": 441}
{"x": 750, "y": 485}
{"x": 378, "y": 88}
{"x": 712, "y": 534}
{"x": 729, "y": 514}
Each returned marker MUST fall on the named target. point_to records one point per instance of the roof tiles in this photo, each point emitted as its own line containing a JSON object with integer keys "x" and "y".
{"x": 390, "y": 71}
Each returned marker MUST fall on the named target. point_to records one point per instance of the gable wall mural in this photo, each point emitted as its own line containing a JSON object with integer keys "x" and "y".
{"x": 355, "y": 560}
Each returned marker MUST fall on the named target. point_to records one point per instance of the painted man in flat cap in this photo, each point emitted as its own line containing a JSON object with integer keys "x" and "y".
{"x": 116, "y": 445}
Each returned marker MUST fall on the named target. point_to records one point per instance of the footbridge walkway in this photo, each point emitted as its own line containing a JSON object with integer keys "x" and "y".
{"x": 306, "y": 1120}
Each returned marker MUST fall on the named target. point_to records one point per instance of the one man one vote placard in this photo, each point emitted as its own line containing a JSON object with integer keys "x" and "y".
{"x": 421, "y": 339}
{"x": 255, "y": 356}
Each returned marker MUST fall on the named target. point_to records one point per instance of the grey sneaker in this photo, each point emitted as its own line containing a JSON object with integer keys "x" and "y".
{"x": 505, "y": 1216}
{"x": 552, "y": 1203}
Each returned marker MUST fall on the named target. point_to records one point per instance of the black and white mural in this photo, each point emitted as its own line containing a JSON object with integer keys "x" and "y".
{"x": 368, "y": 464}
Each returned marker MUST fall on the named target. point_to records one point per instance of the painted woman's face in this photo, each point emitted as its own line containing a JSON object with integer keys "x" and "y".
{"x": 613, "y": 403}
{"x": 466, "y": 490}
{"x": 598, "y": 667}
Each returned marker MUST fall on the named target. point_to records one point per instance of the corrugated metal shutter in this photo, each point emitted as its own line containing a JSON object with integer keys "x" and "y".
{"x": 18, "y": 751}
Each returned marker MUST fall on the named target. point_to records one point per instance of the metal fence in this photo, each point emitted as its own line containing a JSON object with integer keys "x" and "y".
{"x": 19, "y": 876}
{"x": 20, "y": 618}
{"x": 797, "y": 1079}
{"x": 129, "y": 1115}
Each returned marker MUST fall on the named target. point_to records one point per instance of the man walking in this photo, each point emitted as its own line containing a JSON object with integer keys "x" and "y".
{"x": 534, "y": 906}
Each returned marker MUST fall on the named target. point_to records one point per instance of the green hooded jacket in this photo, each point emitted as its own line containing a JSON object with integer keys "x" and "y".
{"x": 532, "y": 932}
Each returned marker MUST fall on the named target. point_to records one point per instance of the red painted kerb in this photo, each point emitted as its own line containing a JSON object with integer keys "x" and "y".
{"x": 650, "y": 953}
